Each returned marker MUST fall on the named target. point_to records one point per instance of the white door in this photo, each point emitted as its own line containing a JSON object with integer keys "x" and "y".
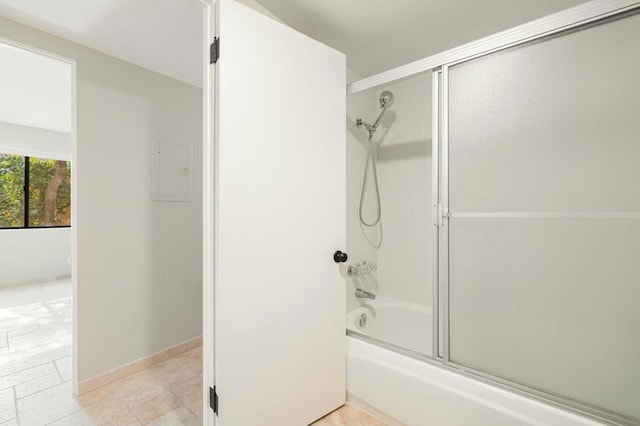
{"x": 279, "y": 296}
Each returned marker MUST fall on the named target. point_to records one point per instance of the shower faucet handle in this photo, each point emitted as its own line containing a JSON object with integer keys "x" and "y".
{"x": 339, "y": 257}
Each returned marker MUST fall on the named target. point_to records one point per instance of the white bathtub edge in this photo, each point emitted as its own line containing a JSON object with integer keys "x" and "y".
{"x": 433, "y": 391}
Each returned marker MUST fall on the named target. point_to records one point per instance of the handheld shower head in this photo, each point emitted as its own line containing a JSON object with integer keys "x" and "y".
{"x": 386, "y": 99}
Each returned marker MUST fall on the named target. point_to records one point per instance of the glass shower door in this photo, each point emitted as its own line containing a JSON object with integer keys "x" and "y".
{"x": 544, "y": 216}
{"x": 390, "y": 234}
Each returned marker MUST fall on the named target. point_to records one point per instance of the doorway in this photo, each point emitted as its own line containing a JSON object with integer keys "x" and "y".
{"x": 37, "y": 222}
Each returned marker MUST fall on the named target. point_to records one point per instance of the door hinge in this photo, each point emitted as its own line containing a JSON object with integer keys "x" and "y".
{"x": 214, "y": 51}
{"x": 213, "y": 400}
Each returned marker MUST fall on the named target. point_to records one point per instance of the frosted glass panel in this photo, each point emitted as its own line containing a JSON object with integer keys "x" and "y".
{"x": 550, "y": 126}
{"x": 550, "y": 303}
{"x": 544, "y": 196}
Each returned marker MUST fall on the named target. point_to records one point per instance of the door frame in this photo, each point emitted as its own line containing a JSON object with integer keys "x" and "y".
{"x": 74, "y": 197}
{"x": 209, "y": 213}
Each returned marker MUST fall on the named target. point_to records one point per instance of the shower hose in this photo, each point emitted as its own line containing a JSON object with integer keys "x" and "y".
{"x": 370, "y": 160}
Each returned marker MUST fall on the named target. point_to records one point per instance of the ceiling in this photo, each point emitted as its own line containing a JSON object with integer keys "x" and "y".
{"x": 163, "y": 36}
{"x": 35, "y": 90}
{"x": 378, "y": 35}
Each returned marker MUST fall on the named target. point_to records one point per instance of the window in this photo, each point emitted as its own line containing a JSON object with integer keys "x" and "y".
{"x": 34, "y": 192}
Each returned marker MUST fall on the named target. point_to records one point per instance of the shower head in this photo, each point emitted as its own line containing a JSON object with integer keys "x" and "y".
{"x": 386, "y": 99}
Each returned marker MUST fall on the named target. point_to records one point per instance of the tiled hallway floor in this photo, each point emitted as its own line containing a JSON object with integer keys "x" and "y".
{"x": 35, "y": 373}
{"x": 169, "y": 393}
{"x": 35, "y": 345}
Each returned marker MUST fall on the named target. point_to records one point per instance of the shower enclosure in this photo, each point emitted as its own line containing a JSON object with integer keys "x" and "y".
{"x": 389, "y": 236}
{"x": 508, "y": 241}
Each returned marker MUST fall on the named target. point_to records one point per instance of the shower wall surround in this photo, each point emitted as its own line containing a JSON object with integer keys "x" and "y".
{"x": 402, "y": 243}
{"x": 405, "y": 257}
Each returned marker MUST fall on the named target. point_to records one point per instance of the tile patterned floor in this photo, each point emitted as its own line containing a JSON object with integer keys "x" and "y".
{"x": 169, "y": 393}
{"x": 35, "y": 371}
{"x": 35, "y": 374}
{"x": 349, "y": 415}
{"x": 35, "y": 345}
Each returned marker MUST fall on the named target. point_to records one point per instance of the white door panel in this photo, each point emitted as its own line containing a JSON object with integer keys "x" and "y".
{"x": 279, "y": 326}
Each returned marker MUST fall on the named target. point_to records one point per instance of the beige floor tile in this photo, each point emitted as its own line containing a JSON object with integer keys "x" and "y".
{"x": 171, "y": 372}
{"x": 138, "y": 387}
{"x": 181, "y": 416}
{"x": 192, "y": 358}
{"x": 111, "y": 411}
{"x": 348, "y": 415}
{"x": 7, "y": 405}
{"x": 155, "y": 406}
{"x": 97, "y": 395}
{"x": 189, "y": 392}
{"x": 12, "y": 422}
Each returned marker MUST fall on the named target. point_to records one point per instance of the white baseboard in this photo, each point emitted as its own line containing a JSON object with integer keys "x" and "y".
{"x": 35, "y": 281}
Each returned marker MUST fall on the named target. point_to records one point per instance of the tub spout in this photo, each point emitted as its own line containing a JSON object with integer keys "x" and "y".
{"x": 364, "y": 294}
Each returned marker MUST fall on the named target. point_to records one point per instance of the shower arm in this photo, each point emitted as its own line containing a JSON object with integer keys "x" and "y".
{"x": 375, "y": 125}
{"x": 371, "y": 128}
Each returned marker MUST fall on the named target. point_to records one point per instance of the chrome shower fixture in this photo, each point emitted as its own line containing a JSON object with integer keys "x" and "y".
{"x": 386, "y": 101}
{"x": 364, "y": 294}
{"x": 361, "y": 269}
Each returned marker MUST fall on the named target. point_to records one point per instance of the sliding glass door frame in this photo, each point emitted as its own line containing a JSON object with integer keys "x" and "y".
{"x": 442, "y": 320}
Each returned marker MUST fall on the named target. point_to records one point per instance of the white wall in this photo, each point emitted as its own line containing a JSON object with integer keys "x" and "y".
{"x": 36, "y": 90}
{"x": 34, "y": 254}
{"x": 34, "y": 142}
{"x": 253, "y": 4}
{"x": 139, "y": 265}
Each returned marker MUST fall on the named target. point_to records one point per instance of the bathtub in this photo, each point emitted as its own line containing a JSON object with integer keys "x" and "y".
{"x": 403, "y": 324}
{"x": 403, "y": 390}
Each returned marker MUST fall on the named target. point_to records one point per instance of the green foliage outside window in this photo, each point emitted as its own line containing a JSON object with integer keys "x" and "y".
{"x": 49, "y": 192}
{"x": 11, "y": 191}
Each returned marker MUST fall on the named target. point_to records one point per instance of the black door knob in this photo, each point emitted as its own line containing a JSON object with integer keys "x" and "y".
{"x": 339, "y": 257}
